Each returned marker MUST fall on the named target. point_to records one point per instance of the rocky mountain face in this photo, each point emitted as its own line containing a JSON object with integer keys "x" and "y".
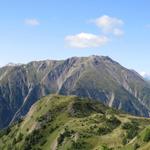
{"x": 95, "y": 77}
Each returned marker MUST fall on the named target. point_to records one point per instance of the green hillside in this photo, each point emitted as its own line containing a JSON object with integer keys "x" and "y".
{"x": 70, "y": 123}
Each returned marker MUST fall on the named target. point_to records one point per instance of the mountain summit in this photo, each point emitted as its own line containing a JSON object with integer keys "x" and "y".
{"x": 95, "y": 77}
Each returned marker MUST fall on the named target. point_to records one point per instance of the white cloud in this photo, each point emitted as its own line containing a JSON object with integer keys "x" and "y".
{"x": 145, "y": 74}
{"x": 86, "y": 40}
{"x": 32, "y": 22}
{"x": 142, "y": 73}
{"x": 110, "y": 25}
{"x": 118, "y": 32}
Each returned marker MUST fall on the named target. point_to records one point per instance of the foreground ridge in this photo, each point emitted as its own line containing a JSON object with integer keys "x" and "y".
{"x": 70, "y": 122}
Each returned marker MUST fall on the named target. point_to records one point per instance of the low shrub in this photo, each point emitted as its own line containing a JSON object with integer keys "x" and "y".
{"x": 103, "y": 130}
{"x": 131, "y": 128}
{"x": 146, "y": 137}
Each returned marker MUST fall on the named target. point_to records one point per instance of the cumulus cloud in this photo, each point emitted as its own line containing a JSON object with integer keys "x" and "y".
{"x": 32, "y": 22}
{"x": 86, "y": 40}
{"x": 110, "y": 25}
{"x": 144, "y": 74}
{"x": 107, "y": 25}
{"x": 118, "y": 32}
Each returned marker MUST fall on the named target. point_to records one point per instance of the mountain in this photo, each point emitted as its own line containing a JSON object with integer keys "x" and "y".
{"x": 95, "y": 77}
{"x": 73, "y": 123}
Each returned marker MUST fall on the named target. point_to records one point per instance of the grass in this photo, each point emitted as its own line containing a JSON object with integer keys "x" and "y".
{"x": 72, "y": 123}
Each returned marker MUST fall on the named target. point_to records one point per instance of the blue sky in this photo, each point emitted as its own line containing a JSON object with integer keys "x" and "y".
{"x": 58, "y": 29}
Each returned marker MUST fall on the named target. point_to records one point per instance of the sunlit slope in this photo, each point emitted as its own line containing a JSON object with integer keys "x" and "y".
{"x": 69, "y": 122}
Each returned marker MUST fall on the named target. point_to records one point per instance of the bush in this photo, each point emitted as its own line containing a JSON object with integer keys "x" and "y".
{"x": 33, "y": 139}
{"x": 103, "y": 130}
{"x": 105, "y": 147}
{"x": 77, "y": 145}
{"x": 20, "y": 120}
{"x": 136, "y": 146}
{"x": 14, "y": 141}
{"x": 124, "y": 141}
{"x": 113, "y": 122}
{"x": 132, "y": 129}
{"x": 126, "y": 126}
{"x": 27, "y": 146}
{"x": 131, "y": 133}
{"x": 43, "y": 141}
{"x": 5, "y": 131}
{"x": 129, "y": 125}
{"x": 147, "y": 135}
{"x": 62, "y": 136}
{"x": 20, "y": 137}
{"x": 9, "y": 147}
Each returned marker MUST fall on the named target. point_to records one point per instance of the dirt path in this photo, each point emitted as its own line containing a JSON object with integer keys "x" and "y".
{"x": 54, "y": 145}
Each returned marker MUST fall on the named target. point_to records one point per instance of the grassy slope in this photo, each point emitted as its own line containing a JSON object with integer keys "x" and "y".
{"x": 68, "y": 122}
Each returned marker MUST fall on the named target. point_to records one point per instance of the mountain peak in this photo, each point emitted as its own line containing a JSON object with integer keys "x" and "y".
{"x": 96, "y": 77}
{"x": 13, "y": 64}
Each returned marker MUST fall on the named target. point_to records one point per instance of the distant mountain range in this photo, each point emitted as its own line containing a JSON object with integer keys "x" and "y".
{"x": 95, "y": 77}
{"x": 147, "y": 78}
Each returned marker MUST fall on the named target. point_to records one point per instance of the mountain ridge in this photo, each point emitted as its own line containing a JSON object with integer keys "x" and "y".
{"x": 69, "y": 122}
{"x": 95, "y": 77}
